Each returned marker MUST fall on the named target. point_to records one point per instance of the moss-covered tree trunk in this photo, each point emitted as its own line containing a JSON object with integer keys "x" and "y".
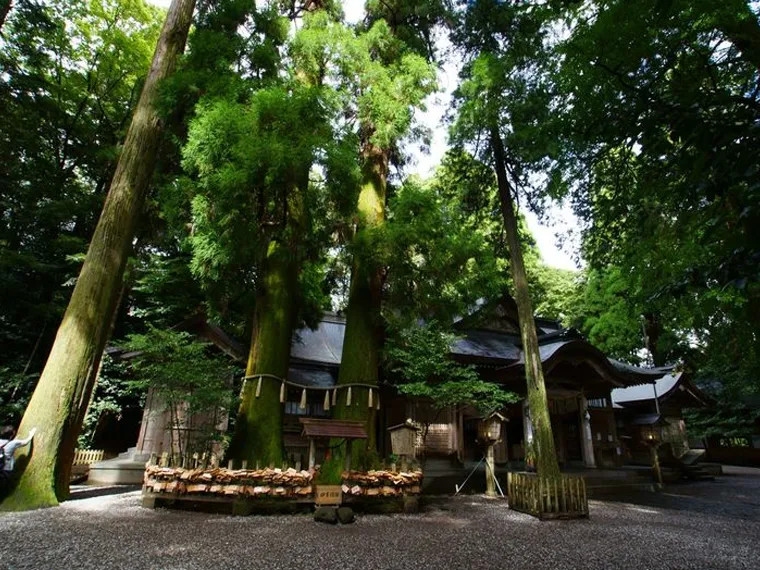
{"x": 546, "y": 456}
{"x": 362, "y": 341}
{"x": 258, "y": 428}
{"x": 60, "y": 400}
{"x": 5, "y": 7}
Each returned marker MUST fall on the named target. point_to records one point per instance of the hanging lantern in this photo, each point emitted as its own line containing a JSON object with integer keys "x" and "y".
{"x": 258, "y": 387}
{"x": 282, "y": 393}
{"x": 326, "y": 404}
{"x": 302, "y": 405}
{"x": 348, "y": 396}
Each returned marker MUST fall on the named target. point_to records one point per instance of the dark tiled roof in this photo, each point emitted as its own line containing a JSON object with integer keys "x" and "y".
{"x": 487, "y": 345}
{"x": 323, "y": 345}
{"x": 646, "y": 419}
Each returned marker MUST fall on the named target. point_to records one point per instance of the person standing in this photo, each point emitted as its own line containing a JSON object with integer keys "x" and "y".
{"x": 8, "y": 447}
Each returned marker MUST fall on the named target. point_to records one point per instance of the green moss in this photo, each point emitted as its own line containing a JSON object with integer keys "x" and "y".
{"x": 361, "y": 345}
{"x": 258, "y": 431}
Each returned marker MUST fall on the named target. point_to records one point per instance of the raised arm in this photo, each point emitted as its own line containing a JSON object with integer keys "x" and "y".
{"x": 28, "y": 440}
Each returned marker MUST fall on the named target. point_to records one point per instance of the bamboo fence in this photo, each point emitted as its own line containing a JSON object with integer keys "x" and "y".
{"x": 548, "y": 498}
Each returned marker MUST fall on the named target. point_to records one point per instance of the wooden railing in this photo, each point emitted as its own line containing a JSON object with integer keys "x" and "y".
{"x": 548, "y": 498}
{"x": 87, "y": 456}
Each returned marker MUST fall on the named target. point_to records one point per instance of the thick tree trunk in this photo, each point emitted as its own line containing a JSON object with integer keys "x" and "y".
{"x": 59, "y": 402}
{"x": 5, "y": 7}
{"x": 258, "y": 429}
{"x": 362, "y": 341}
{"x": 546, "y": 456}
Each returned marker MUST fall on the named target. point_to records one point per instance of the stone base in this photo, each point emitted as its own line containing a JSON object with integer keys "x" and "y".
{"x": 126, "y": 469}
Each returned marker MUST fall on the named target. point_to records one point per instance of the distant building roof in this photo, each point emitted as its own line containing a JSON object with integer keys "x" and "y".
{"x": 641, "y": 392}
{"x": 665, "y": 387}
{"x": 323, "y": 346}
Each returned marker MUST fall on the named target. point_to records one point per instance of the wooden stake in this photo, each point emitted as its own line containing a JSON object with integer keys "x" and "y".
{"x": 312, "y": 453}
{"x": 258, "y": 387}
{"x": 326, "y": 404}
{"x": 369, "y": 399}
{"x": 335, "y": 397}
{"x": 282, "y": 393}
{"x": 348, "y": 396}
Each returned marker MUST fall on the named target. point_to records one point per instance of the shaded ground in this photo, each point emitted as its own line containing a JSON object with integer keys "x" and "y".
{"x": 700, "y": 525}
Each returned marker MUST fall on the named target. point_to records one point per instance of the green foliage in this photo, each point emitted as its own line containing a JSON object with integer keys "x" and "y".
{"x": 556, "y": 293}
{"x": 70, "y": 73}
{"x": 15, "y": 390}
{"x": 183, "y": 373}
{"x": 114, "y": 393}
{"x": 418, "y": 357}
{"x": 660, "y": 160}
{"x": 440, "y": 261}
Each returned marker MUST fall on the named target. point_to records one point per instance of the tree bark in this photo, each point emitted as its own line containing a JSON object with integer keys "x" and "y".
{"x": 546, "y": 456}
{"x": 59, "y": 402}
{"x": 5, "y": 7}
{"x": 258, "y": 428}
{"x": 362, "y": 340}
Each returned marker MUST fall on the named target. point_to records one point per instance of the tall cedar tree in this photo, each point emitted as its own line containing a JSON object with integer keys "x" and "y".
{"x": 255, "y": 202}
{"x": 59, "y": 403}
{"x": 500, "y": 42}
{"x": 394, "y": 78}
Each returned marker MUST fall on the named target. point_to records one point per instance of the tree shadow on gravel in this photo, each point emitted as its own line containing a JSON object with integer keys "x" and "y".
{"x": 737, "y": 497}
{"x": 77, "y": 494}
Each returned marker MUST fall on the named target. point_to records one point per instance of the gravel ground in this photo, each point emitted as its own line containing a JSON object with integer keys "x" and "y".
{"x": 699, "y": 525}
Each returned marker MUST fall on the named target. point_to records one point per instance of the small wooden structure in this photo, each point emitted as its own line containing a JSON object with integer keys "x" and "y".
{"x": 404, "y": 441}
{"x": 489, "y": 431}
{"x": 314, "y": 428}
{"x": 563, "y": 498}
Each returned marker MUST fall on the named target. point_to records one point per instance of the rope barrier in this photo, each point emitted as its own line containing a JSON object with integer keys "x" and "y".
{"x": 373, "y": 401}
{"x": 304, "y": 386}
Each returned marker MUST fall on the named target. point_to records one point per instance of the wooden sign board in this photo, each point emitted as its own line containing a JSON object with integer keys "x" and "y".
{"x": 328, "y": 495}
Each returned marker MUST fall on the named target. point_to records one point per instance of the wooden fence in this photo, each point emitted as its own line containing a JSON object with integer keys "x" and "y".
{"x": 87, "y": 456}
{"x": 548, "y": 498}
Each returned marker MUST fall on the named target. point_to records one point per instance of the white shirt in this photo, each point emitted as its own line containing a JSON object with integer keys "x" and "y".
{"x": 9, "y": 450}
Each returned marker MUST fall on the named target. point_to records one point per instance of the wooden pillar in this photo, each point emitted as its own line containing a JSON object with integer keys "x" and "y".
{"x": 490, "y": 473}
{"x": 460, "y": 436}
{"x": 587, "y": 440}
{"x": 656, "y": 465}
